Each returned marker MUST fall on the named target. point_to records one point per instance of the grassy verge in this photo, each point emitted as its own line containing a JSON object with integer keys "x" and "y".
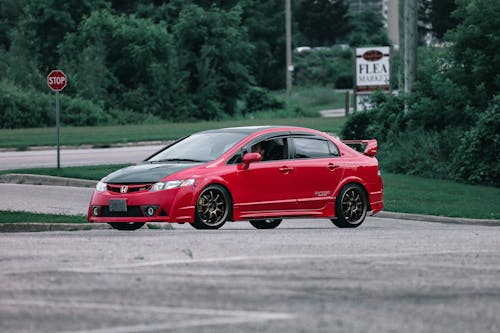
{"x": 29, "y": 137}
{"x": 412, "y": 194}
{"x": 403, "y": 194}
{"x": 23, "y": 217}
{"x": 81, "y": 172}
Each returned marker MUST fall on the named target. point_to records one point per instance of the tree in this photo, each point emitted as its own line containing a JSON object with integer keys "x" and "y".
{"x": 46, "y": 22}
{"x": 127, "y": 62}
{"x": 10, "y": 12}
{"x": 367, "y": 28}
{"x": 214, "y": 50}
{"x": 475, "y": 45}
{"x": 439, "y": 14}
{"x": 265, "y": 24}
{"x": 322, "y": 21}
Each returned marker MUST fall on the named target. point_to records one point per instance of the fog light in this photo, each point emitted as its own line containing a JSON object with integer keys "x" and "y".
{"x": 95, "y": 210}
{"x": 149, "y": 210}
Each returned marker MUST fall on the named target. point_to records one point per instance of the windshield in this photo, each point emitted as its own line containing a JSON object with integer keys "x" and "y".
{"x": 200, "y": 147}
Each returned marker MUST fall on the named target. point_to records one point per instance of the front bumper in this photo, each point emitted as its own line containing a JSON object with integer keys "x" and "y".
{"x": 173, "y": 205}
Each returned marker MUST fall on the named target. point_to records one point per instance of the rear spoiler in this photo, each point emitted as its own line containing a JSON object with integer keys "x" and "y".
{"x": 367, "y": 147}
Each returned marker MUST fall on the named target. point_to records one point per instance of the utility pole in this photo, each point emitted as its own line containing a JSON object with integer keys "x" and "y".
{"x": 410, "y": 46}
{"x": 289, "y": 64}
{"x": 401, "y": 44}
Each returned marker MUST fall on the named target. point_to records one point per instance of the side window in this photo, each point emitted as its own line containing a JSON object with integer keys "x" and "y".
{"x": 236, "y": 159}
{"x": 311, "y": 148}
{"x": 271, "y": 149}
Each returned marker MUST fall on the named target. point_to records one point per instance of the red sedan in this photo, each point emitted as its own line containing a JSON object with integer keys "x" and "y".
{"x": 258, "y": 174}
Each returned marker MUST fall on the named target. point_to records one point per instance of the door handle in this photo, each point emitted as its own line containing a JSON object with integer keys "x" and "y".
{"x": 286, "y": 169}
{"x": 332, "y": 166}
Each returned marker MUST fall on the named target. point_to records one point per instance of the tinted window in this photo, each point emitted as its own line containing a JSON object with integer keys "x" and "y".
{"x": 274, "y": 149}
{"x": 271, "y": 150}
{"x": 310, "y": 148}
{"x": 200, "y": 147}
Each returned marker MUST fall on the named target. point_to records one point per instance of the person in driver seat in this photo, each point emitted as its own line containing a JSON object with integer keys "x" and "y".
{"x": 259, "y": 148}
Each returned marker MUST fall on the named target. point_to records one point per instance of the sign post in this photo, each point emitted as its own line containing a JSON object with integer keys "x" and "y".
{"x": 56, "y": 80}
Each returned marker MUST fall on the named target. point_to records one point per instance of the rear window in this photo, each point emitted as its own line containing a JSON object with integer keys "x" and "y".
{"x": 311, "y": 148}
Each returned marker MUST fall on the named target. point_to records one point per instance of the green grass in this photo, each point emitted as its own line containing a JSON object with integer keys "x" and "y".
{"x": 101, "y": 136}
{"x": 93, "y": 172}
{"x": 404, "y": 194}
{"x": 412, "y": 194}
{"x": 313, "y": 99}
{"x": 23, "y": 217}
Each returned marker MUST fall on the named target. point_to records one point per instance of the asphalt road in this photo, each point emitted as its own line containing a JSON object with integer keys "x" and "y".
{"x": 305, "y": 276}
{"x": 75, "y": 157}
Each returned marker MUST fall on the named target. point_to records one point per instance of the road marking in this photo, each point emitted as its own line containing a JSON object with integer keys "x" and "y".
{"x": 223, "y": 317}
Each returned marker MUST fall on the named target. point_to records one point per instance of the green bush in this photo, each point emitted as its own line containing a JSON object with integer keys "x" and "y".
{"x": 258, "y": 99}
{"x": 24, "y": 107}
{"x": 476, "y": 159}
{"x": 418, "y": 152}
{"x": 385, "y": 120}
{"x": 81, "y": 112}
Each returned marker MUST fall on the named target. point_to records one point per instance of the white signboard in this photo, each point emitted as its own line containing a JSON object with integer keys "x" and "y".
{"x": 372, "y": 68}
{"x": 363, "y": 102}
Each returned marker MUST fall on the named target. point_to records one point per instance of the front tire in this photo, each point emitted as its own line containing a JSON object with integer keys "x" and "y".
{"x": 351, "y": 206}
{"x": 213, "y": 208}
{"x": 266, "y": 224}
{"x": 127, "y": 226}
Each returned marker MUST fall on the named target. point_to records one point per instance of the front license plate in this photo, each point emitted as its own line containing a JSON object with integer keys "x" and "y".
{"x": 118, "y": 205}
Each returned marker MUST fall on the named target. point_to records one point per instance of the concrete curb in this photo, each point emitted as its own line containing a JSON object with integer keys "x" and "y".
{"x": 439, "y": 219}
{"x": 39, "y": 227}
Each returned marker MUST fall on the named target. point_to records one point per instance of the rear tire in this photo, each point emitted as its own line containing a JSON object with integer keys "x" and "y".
{"x": 266, "y": 224}
{"x": 351, "y": 206}
{"x": 213, "y": 208}
{"x": 127, "y": 226}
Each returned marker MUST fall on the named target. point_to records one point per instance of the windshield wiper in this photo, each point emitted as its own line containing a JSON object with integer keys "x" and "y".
{"x": 177, "y": 160}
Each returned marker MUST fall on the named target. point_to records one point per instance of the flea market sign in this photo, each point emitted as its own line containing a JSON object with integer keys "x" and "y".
{"x": 372, "y": 71}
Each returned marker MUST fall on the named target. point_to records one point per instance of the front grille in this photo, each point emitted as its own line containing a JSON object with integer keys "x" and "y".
{"x": 130, "y": 188}
{"x": 132, "y": 211}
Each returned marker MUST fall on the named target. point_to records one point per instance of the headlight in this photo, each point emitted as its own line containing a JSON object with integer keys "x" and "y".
{"x": 171, "y": 184}
{"x": 101, "y": 187}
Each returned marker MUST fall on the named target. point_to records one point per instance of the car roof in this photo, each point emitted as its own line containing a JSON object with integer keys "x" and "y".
{"x": 251, "y": 129}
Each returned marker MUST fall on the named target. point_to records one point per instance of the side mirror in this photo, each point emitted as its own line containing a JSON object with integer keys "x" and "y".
{"x": 250, "y": 158}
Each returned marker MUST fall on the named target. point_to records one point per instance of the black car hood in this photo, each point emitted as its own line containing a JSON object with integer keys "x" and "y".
{"x": 146, "y": 173}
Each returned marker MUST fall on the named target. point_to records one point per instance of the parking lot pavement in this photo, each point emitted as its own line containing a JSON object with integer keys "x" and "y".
{"x": 305, "y": 276}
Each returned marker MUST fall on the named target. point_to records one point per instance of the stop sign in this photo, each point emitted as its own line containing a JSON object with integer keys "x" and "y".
{"x": 56, "y": 80}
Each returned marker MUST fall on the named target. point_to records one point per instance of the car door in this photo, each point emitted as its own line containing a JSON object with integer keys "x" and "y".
{"x": 266, "y": 188}
{"x": 318, "y": 169}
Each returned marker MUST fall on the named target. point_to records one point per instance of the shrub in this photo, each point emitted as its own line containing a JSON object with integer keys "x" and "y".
{"x": 81, "y": 112}
{"x": 418, "y": 152}
{"x": 24, "y": 107}
{"x": 385, "y": 120}
{"x": 258, "y": 99}
{"x": 476, "y": 159}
